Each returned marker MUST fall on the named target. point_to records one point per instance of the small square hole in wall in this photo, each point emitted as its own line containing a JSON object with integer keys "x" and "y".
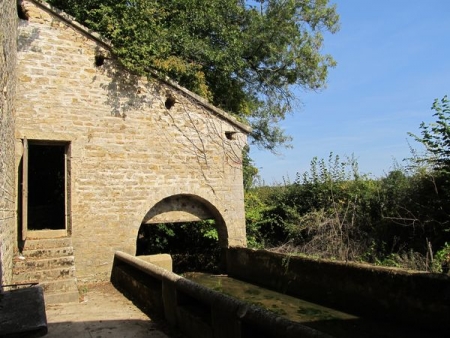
{"x": 99, "y": 60}
{"x": 230, "y": 135}
{"x": 21, "y": 11}
{"x": 170, "y": 102}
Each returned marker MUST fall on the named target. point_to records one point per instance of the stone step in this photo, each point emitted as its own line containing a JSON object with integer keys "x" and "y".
{"x": 49, "y": 262}
{"x": 47, "y": 253}
{"x": 43, "y": 264}
{"x": 62, "y": 297}
{"x": 47, "y": 243}
{"x": 43, "y": 275}
{"x": 59, "y": 286}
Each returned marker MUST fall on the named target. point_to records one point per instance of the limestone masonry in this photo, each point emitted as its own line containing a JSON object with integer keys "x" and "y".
{"x": 8, "y": 48}
{"x": 135, "y": 150}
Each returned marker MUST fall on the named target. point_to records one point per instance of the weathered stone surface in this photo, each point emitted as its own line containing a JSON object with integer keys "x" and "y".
{"x": 8, "y": 82}
{"x": 418, "y": 299}
{"x": 128, "y": 152}
{"x": 22, "y": 313}
{"x": 196, "y": 310}
{"x": 162, "y": 260}
{"x": 104, "y": 312}
{"x": 51, "y": 263}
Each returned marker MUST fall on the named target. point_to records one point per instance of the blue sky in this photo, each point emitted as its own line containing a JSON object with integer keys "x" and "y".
{"x": 393, "y": 60}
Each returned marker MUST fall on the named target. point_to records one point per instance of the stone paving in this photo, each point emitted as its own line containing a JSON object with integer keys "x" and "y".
{"x": 103, "y": 312}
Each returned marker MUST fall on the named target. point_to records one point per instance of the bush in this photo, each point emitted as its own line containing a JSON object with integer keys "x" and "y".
{"x": 333, "y": 211}
{"x": 193, "y": 246}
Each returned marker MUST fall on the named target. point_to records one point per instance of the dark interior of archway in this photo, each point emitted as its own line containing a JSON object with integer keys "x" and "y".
{"x": 194, "y": 246}
{"x": 46, "y": 187}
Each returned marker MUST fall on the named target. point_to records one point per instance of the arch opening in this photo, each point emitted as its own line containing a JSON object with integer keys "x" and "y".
{"x": 188, "y": 228}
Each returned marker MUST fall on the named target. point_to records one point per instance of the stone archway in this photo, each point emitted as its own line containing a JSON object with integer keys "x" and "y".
{"x": 183, "y": 208}
{"x": 176, "y": 225}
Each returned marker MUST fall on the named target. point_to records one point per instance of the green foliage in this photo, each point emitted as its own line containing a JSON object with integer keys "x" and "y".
{"x": 441, "y": 261}
{"x": 323, "y": 200}
{"x": 415, "y": 209}
{"x": 193, "y": 246}
{"x": 250, "y": 172}
{"x": 333, "y": 211}
{"x": 436, "y": 137}
{"x": 244, "y": 59}
{"x": 254, "y": 216}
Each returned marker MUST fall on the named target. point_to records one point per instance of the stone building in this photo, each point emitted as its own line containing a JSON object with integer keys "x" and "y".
{"x": 99, "y": 151}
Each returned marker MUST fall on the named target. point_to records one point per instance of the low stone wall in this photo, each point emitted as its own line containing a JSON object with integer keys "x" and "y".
{"x": 196, "y": 310}
{"x": 414, "y": 298}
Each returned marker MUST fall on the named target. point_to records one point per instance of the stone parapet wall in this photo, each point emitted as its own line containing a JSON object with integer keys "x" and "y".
{"x": 196, "y": 310}
{"x": 418, "y": 299}
{"x": 8, "y": 58}
{"x": 133, "y": 142}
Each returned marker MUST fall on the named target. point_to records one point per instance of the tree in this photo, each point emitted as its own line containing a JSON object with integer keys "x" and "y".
{"x": 245, "y": 57}
{"x": 436, "y": 137}
{"x": 250, "y": 172}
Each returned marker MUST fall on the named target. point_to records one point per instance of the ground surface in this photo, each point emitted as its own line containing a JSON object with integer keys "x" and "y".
{"x": 102, "y": 312}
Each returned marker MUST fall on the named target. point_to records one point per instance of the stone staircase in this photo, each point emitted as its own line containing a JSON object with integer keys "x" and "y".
{"x": 49, "y": 262}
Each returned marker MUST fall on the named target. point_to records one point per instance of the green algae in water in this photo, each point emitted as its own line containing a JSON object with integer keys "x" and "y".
{"x": 278, "y": 310}
{"x": 314, "y": 312}
{"x": 336, "y": 323}
{"x": 290, "y": 307}
{"x": 253, "y": 291}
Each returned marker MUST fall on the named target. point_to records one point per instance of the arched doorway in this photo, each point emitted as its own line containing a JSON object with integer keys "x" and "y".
{"x": 187, "y": 227}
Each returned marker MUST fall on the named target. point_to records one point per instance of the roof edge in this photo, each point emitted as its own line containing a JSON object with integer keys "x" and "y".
{"x": 246, "y": 128}
{"x": 68, "y": 19}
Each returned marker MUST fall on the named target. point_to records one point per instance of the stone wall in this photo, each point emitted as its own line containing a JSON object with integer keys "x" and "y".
{"x": 133, "y": 142}
{"x": 195, "y": 310}
{"x": 417, "y": 299}
{"x": 8, "y": 54}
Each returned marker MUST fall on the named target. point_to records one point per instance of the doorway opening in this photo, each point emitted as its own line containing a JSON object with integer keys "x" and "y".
{"x": 46, "y": 187}
{"x": 45, "y": 190}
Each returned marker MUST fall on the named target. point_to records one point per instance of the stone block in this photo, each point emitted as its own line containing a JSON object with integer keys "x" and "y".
{"x": 22, "y": 313}
{"x": 162, "y": 260}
